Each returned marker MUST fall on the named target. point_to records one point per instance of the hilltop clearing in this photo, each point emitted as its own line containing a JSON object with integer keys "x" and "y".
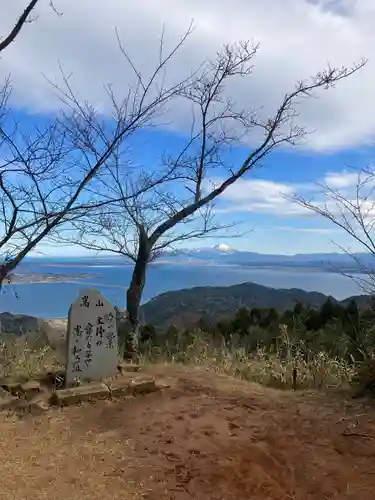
{"x": 206, "y": 436}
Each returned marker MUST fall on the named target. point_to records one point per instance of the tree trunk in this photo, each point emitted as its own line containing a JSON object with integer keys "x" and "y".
{"x": 5, "y": 269}
{"x": 135, "y": 290}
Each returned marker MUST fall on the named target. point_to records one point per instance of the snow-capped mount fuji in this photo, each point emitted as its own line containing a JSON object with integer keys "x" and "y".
{"x": 223, "y": 248}
{"x": 210, "y": 253}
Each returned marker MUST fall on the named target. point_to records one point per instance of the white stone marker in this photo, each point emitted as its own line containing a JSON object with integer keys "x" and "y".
{"x": 92, "y": 338}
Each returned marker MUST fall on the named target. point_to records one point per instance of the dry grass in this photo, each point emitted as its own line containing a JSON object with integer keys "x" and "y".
{"x": 23, "y": 357}
{"x": 275, "y": 370}
{"x": 26, "y": 357}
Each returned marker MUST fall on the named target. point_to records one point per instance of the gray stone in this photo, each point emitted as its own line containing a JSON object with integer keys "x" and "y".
{"x": 38, "y": 407}
{"x": 13, "y": 388}
{"x": 120, "y": 387}
{"x": 143, "y": 385}
{"x": 20, "y": 406}
{"x": 7, "y": 401}
{"x": 92, "y": 352}
{"x": 4, "y": 393}
{"x": 30, "y": 389}
{"x": 127, "y": 367}
{"x": 130, "y": 386}
{"x": 74, "y": 395}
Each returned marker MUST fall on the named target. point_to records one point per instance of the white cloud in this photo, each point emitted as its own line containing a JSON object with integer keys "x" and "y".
{"x": 244, "y": 191}
{"x": 260, "y": 196}
{"x": 297, "y": 39}
{"x": 309, "y": 230}
{"x": 341, "y": 180}
{"x": 273, "y": 198}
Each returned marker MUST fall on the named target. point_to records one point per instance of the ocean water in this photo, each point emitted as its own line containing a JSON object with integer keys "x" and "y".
{"x": 52, "y": 300}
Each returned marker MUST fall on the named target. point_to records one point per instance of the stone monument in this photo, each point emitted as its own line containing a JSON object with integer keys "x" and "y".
{"x": 92, "y": 352}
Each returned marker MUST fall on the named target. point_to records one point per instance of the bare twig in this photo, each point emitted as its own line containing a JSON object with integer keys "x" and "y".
{"x": 53, "y": 7}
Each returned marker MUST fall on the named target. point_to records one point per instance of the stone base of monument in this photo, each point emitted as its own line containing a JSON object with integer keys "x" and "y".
{"x": 36, "y": 406}
{"x": 24, "y": 398}
{"x": 121, "y": 387}
{"x": 7, "y": 400}
{"x": 26, "y": 390}
{"x": 127, "y": 367}
{"x": 37, "y": 396}
{"x": 75, "y": 395}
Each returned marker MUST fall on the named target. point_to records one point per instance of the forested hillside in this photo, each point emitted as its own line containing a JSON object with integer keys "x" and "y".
{"x": 184, "y": 307}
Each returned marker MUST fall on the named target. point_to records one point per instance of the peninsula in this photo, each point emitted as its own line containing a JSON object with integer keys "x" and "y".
{"x": 27, "y": 278}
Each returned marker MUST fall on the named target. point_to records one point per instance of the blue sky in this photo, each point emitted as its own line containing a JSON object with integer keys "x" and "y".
{"x": 295, "y": 41}
{"x": 269, "y": 222}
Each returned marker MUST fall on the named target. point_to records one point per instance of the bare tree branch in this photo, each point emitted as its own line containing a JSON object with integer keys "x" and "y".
{"x": 352, "y": 209}
{"x": 18, "y": 26}
{"x": 53, "y": 7}
{"x": 22, "y": 20}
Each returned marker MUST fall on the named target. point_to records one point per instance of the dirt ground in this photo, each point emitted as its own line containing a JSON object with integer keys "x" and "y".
{"x": 205, "y": 437}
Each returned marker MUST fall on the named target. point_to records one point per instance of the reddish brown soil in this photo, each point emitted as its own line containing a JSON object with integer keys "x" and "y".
{"x": 206, "y": 437}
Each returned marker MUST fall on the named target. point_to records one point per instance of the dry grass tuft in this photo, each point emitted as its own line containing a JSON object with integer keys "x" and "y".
{"x": 23, "y": 358}
{"x": 270, "y": 369}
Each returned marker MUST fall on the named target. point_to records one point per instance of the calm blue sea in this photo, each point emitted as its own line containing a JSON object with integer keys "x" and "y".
{"x": 52, "y": 300}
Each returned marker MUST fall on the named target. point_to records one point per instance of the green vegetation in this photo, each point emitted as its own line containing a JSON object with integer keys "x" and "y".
{"x": 18, "y": 324}
{"x": 328, "y": 347}
{"x": 183, "y": 308}
{"x": 332, "y": 346}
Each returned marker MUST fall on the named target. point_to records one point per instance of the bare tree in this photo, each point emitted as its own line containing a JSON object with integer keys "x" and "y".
{"x": 140, "y": 227}
{"x": 12, "y": 35}
{"x": 47, "y": 174}
{"x": 352, "y": 209}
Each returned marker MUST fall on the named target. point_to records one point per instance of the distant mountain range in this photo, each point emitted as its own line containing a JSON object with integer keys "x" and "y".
{"x": 225, "y": 255}
{"x": 183, "y": 308}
